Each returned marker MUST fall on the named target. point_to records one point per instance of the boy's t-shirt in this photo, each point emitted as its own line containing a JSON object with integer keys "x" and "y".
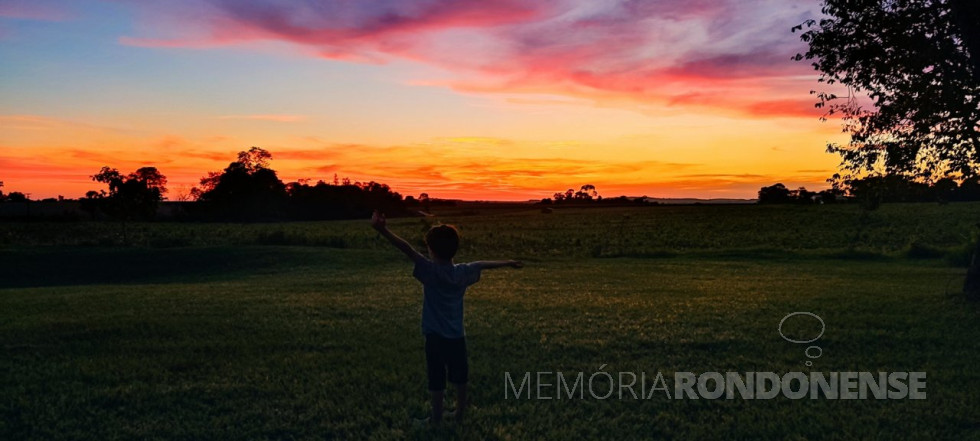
{"x": 443, "y": 286}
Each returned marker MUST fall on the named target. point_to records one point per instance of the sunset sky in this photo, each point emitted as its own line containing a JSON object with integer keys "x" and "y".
{"x": 472, "y": 99}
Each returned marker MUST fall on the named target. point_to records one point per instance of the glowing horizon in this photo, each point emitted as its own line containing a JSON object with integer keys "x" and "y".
{"x": 466, "y": 99}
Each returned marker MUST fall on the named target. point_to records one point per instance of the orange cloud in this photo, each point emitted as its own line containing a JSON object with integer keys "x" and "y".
{"x": 446, "y": 171}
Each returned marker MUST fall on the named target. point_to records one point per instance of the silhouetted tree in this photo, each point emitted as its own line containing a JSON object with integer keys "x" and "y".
{"x": 246, "y": 190}
{"x": 586, "y": 193}
{"x": 914, "y": 63}
{"x": 135, "y": 196}
{"x": 254, "y": 159}
{"x": 802, "y": 195}
{"x": 774, "y": 194}
{"x": 779, "y": 194}
{"x": 874, "y": 190}
{"x": 325, "y": 201}
{"x": 16, "y": 196}
{"x": 892, "y": 188}
{"x": 829, "y": 196}
{"x": 966, "y": 14}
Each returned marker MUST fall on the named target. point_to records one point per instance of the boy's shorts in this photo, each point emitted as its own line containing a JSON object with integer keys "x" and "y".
{"x": 442, "y": 355}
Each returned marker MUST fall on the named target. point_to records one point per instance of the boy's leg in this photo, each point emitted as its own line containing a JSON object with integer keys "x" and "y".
{"x": 436, "y": 398}
{"x": 460, "y": 401}
{"x": 459, "y": 372}
{"x": 435, "y": 364}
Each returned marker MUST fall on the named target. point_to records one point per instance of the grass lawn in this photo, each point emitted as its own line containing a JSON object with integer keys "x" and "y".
{"x": 315, "y": 334}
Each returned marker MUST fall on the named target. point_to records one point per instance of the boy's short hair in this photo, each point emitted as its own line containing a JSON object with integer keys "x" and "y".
{"x": 443, "y": 240}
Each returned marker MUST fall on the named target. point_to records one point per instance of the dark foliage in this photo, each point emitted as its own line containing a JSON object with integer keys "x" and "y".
{"x": 913, "y": 59}
{"x": 779, "y": 194}
{"x": 874, "y": 190}
{"x": 586, "y": 193}
{"x": 135, "y": 196}
{"x": 351, "y": 201}
{"x": 248, "y": 190}
{"x": 242, "y": 195}
{"x": 16, "y": 196}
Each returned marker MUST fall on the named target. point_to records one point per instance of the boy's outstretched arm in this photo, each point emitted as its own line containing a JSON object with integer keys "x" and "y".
{"x": 491, "y": 264}
{"x": 378, "y": 222}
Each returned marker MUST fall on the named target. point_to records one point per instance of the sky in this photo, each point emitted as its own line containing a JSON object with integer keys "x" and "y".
{"x": 473, "y": 99}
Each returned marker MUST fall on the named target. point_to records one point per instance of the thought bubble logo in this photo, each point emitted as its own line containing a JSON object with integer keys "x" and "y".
{"x": 811, "y": 352}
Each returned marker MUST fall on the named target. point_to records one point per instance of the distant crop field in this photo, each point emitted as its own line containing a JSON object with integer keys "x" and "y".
{"x": 311, "y": 330}
{"x": 571, "y": 231}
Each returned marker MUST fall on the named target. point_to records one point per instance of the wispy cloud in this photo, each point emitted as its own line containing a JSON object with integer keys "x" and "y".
{"x": 653, "y": 52}
{"x": 447, "y": 172}
{"x": 40, "y": 123}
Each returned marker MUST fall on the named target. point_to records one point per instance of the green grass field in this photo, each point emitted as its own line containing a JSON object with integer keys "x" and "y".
{"x": 311, "y": 330}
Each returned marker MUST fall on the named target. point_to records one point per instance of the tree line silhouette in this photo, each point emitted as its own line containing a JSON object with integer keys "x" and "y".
{"x": 871, "y": 191}
{"x": 14, "y": 196}
{"x": 246, "y": 190}
{"x": 588, "y": 194}
{"x": 249, "y": 190}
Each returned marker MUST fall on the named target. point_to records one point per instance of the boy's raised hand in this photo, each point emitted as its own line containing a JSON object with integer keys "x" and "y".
{"x": 378, "y": 221}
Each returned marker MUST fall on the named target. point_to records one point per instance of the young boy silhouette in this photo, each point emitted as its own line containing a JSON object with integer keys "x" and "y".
{"x": 443, "y": 286}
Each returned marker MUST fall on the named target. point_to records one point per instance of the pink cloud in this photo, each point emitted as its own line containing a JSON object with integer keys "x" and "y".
{"x": 345, "y": 28}
{"x": 786, "y": 107}
{"x": 654, "y": 52}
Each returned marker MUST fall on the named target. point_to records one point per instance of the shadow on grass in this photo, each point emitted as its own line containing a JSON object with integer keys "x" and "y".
{"x": 56, "y": 266}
